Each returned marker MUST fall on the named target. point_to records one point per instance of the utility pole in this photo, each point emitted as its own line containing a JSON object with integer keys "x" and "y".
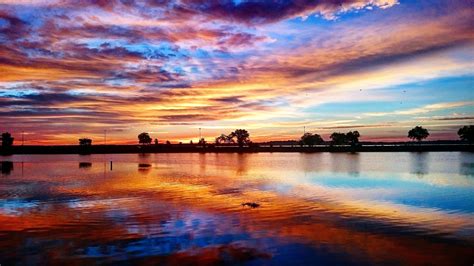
{"x": 199, "y": 133}
{"x": 304, "y": 130}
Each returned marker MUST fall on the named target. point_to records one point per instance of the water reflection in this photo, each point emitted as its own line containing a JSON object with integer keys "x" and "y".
{"x": 466, "y": 165}
{"x": 85, "y": 164}
{"x": 6, "y": 167}
{"x": 242, "y": 164}
{"x": 310, "y": 210}
{"x": 353, "y": 165}
{"x": 202, "y": 162}
{"x": 308, "y": 162}
{"x": 419, "y": 163}
{"x": 145, "y": 156}
{"x": 466, "y": 169}
{"x": 346, "y": 162}
{"x": 144, "y": 167}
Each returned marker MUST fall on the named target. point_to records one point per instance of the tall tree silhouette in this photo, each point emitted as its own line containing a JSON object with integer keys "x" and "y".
{"x": 144, "y": 138}
{"x": 311, "y": 139}
{"x": 338, "y": 138}
{"x": 85, "y": 142}
{"x": 242, "y": 136}
{"x": 419, "y": 133}
{"x": 7, "y": 140}
{"x": 352, "y": 137}
{"x": 466, "y": 133}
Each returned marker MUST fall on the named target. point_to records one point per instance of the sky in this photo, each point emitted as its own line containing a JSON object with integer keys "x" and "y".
{"x": 72, "y": 69}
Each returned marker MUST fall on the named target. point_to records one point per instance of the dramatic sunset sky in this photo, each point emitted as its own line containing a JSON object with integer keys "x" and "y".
{"x": 71, "y": 69}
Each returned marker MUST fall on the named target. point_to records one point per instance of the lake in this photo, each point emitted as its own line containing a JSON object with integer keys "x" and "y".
{"x": 179, "y": 209}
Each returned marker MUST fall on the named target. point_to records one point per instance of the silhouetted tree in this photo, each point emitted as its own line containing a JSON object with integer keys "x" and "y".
{"x": 242, "y": 136}
{"x": 224, "y": 139}
{"x": 156, "y": 141}
{"x": 352, "y": 137}
{"x": 168, "y": 142}
{"x": 85, "y": 142}
{"x": 466, "y": 133}
{"x": 311, "y": 139}
{"x": 202, "y": 142}
{"x": 144, "y": 138}
{"x": 191, "y": 142}
{"x": 7, "y": 140}
{"x": 419, "y": 133}
{"x": 338, "y": 138}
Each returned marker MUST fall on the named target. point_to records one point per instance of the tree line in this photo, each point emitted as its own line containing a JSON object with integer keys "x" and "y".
{"x": 418, "y": 133}
{"x": 337, "y": 138}
{"x": 241, "y": 137}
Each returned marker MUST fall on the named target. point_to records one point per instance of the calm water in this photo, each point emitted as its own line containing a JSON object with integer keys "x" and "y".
{"x": 367, "y": 208}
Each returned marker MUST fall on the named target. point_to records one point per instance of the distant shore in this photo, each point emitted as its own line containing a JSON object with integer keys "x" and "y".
{"x": 255, "y": 148}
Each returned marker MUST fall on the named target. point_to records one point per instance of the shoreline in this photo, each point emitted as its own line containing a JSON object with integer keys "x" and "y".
{"x": 186, "y": 148}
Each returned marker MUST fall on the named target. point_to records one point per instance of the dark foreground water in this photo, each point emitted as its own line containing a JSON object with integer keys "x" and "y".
{"x": 178, "y": 209}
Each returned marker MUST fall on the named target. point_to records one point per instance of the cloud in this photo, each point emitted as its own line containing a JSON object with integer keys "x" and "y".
{"x": 12, "y": 27}
{"x": 454, "y": 118}
{"x": 424, "y": 109}
{"x": 137, "y": 65}
{"x": 256, "y": 12}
